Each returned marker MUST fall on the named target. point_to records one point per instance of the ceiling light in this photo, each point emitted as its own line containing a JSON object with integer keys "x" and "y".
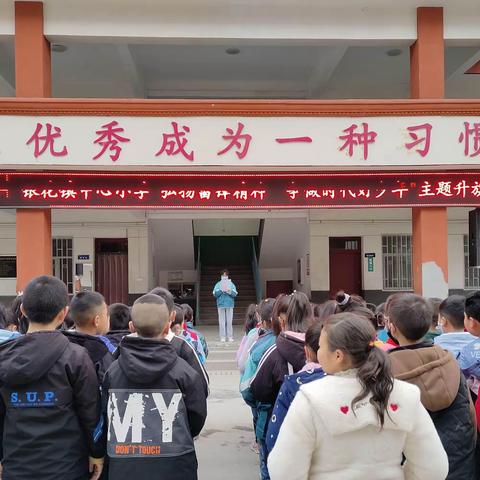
{"x": 232, "y": 51}
{"x": 394, "y": 52}
{"x": 59, "y": 48}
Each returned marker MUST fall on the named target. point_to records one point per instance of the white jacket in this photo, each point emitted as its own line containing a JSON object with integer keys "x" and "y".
{"x": 321, "y": 437}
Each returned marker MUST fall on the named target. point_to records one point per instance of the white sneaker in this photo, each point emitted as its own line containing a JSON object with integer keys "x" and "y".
{"x": 223, "y": 339}
{"x": 231, "y": 339}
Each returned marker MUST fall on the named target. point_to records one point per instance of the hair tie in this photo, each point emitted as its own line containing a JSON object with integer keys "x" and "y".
{"x": 345, "y": 300}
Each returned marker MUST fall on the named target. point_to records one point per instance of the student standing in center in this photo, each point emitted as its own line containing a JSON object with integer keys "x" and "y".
{"x": 225, "y": 293}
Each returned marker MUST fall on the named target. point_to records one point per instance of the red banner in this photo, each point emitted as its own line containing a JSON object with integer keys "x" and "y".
{"x": 238, "y": 190}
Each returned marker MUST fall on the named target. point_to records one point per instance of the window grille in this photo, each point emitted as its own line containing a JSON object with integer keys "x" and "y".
{"x": 472, "y": 274}
{"x": 397, "y": 262}
{"x": 62, "y": 256}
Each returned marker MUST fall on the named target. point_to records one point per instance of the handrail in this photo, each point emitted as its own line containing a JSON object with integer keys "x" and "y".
{"x": 256, "y": 273}
{"x": 199, "y": 276}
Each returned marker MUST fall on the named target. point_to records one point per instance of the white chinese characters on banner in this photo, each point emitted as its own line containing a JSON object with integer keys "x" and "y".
{"x": 336, "y": 143}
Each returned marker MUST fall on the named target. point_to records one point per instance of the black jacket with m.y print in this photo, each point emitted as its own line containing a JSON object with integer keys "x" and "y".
{"x": 154, "y": 404}
{"x": 50, "y": 413}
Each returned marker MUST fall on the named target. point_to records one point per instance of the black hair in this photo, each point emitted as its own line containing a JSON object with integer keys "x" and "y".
{"x": 366, "y": 313}
{"x": 347, "y": 302}
{"x": 120, "y": 316}
{"x": 18, "y": 317}
{"x": 325, "y": 309}
{"x": 410, "y": 313}
{"x": 179, "y": 315}
{"x": 453, "y": 309}
{"x": 84, "y": 306}
{"x": 68, "y": 322}
{"x": 151, "y": 298}
{"x": 225, "y": 271}
{"x": 472, "y": 306}
{"x": 251, "y": 318}
{"x": 265, "y": 310}
{"x": 187, "y": 312}
{"x": 166, "y": 295}
{"x": 280, "y": 306}
{"x": 312, "y": 335}
{"x": 44, "y": 298}
{"x": 355, "y": 336}
{"x": 299, "y": 313}
{"x": 435, "y": 307}
{"x": 380, "y": 314}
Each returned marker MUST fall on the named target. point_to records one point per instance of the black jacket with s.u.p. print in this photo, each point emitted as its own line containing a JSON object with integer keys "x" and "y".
{"x": 49, "y": 409}
{"x": 154, "y": 404}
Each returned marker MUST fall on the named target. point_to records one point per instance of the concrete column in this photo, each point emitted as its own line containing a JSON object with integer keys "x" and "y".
{"x": 32, "y": 79}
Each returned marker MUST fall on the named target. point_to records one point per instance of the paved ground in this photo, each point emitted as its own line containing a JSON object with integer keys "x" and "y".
{"x": 223, "y": 448}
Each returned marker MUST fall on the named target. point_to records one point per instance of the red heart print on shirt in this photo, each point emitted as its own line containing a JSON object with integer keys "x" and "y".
{"x": 394, "y": 407}
{"x": 344, "y": 410}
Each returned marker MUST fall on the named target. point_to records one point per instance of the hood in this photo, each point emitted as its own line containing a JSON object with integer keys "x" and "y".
{"x": 291, "y": 350}
{"x": 95, "y": 347}
{"x": 432, "y": 369}
{"x": 144, "y": 360}
{"x": 30, "y": 357}
{"x": 6, "y": 335}
{"x": 292, "y": 382}
{"x": 331, "y": 399}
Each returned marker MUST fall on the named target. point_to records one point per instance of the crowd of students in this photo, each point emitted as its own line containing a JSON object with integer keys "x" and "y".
{"x": 346, "y": 390}
{"x": 90, "y": 392}
{"x": 341, "y": 390}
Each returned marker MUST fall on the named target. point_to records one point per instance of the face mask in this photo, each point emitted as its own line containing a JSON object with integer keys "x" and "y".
{"x": 224, "y": 277}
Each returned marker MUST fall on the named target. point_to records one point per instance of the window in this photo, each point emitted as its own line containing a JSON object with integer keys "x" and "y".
{"x": 62, "y": 256}
{"x": 8, "y": 266}
{"x": 397, "y": 262}
{"x": 472, "y": 274}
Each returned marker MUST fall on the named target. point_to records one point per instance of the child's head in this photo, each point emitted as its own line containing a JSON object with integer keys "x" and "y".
{"x": 409, "y": 317}
{"x": 19, "y": 318}
{"x": 168, "y": 297}
{"x": 279, "y": 314}
{"x": 347, "y": 341}
{"x": 312, "y": 340}
{"x": 472, "y": 314}
{"x": 451, "y": 314}
{"x": 119, "y": 316}
{"x": 366, "y": 313}
{"x": 177, "y": 323}
{"x": 224, "y": 273}
{"x": 150, "y": 317}
{"x": 187, "y": 313}
{"x": 8, "y": 321}
{"x": 380, "y": 314}
{"x": 325, "y": 309}
{"x": 45, "y": 301}
{"x": 434, "y": 306}
{"x": 90, "y": 313}
{"x": 251, "y": 318}
{"x": 265, "y": 312}
{"x": 299, "y": 315}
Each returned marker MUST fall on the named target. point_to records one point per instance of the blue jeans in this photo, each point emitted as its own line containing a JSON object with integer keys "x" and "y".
{"x": 263, "y": 454}
{"x": 225, "y": 319}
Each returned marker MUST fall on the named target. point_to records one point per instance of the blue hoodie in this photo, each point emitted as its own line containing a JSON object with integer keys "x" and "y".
{"x": 289, "y": 389}
{"x": 6, "y": 335}
{"x": 224, "y": 299}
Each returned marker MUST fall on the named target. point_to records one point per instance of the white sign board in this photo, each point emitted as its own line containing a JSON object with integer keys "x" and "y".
{"x": 242, "y": 142}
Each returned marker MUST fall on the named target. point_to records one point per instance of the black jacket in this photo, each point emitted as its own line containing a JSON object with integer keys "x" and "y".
{"x": 186, "y": 351}
{"x": 444, "y": 393}
{"x": 154, "y": 407}
{"x": 115, "y": 336}
{"x": 274, "y": 365}
{"x": 97, "y": 350}
{"x": 49, "y": 409}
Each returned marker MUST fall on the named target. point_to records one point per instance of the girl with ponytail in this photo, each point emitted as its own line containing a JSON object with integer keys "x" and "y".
{"x": 358, "y": 421}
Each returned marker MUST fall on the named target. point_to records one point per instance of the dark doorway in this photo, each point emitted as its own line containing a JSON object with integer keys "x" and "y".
{"x": 346, "y": 265}
{"x": 276, "y": 287}
{"x": 111, "y": 269}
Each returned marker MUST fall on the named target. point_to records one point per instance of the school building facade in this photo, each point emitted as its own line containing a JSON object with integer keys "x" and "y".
{"x": 306, "y": 145}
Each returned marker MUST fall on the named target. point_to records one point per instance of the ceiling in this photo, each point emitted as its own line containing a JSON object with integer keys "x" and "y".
{"x": 259, "y": 70}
